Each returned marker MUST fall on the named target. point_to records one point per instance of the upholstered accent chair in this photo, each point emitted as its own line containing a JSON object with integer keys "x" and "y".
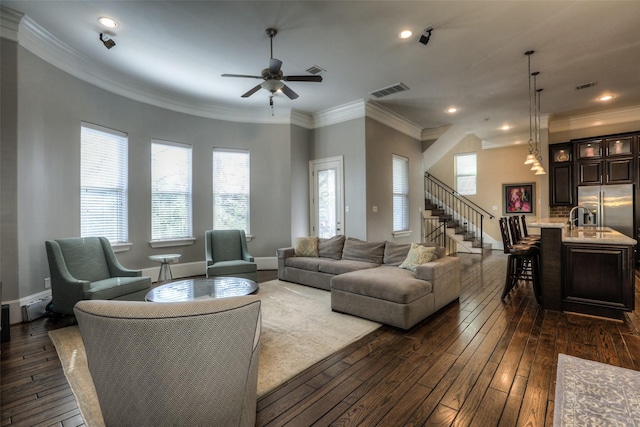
{"x": 86, "y": 268}
{"x": 227, "y": 255}
{"x": 174, "y": 364}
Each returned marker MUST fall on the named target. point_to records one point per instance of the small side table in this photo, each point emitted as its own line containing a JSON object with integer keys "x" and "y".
{"x": 165, "y": 270}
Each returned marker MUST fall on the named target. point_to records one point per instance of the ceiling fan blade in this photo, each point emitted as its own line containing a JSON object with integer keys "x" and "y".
{"x": 242, "y": 75}
{"x": 274, "y": 66}
{"x": 287, "y": 91}
{"x": 302, "y": 78}
{"x": 252, "y": 91}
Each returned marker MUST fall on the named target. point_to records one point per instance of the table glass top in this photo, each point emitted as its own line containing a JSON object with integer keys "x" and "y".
{"x": 191, "y": 289}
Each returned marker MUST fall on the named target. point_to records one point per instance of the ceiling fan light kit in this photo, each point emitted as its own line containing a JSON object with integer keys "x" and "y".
{"x": 273, "y": 76}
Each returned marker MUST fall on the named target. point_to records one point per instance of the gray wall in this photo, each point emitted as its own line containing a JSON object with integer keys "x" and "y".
{"x": 43, "y": 202}
{"x": 300, "y": 149}
{"x": 382, "y": 143}
{"x": 347, "y": 139}
{"x": 8, "y": 158}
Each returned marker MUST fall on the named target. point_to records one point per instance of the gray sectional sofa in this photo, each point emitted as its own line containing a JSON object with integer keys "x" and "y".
{"x": 365, "y": 279}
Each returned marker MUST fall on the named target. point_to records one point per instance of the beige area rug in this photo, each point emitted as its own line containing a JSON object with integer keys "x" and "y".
{"x": 298, "y": 330}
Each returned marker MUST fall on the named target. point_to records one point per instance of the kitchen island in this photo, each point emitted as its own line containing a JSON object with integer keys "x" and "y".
{"x": 587, "y": 270}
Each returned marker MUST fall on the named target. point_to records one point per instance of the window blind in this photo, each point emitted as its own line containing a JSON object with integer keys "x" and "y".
{"x": 171, "y": 190}
{"x": 103, "y": 183}
{"x": 466, "y": 173}
{"x": 231, "y": 190}
{"x": 400, "y": 171}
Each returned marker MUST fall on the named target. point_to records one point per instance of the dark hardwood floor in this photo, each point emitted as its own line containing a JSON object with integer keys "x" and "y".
{"x": 479, "y": 362}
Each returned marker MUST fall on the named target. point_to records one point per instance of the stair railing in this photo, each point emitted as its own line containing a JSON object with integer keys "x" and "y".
{"x": 466, "y": 213}
{"x": 435, "y": 230}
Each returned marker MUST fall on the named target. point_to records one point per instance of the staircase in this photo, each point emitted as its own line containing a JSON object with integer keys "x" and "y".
{"x": 454, "y": 219}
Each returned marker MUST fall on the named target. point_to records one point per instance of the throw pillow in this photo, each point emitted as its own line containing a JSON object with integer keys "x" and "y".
{"x": 306, "y": 246}
{"x": 418, "y": 255}
{"x": 331, "y": 248}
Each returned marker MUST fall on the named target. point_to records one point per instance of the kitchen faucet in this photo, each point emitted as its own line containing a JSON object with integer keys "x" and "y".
{"x": 572, "y": 220}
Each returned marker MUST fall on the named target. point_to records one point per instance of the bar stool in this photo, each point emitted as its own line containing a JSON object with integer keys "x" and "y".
{"x": 516, "y": 233}
{"x": 525, "y": 233}
{"x": 523, "y": 263}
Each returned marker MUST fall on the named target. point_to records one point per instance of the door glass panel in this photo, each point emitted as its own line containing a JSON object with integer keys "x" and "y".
{"x": 326, "y": 203}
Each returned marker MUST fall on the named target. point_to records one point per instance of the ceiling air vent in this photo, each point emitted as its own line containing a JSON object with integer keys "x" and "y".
{"x": 316, "y": 70}
{"x": 586, "y": 85}
{"x": 398, "y": 87}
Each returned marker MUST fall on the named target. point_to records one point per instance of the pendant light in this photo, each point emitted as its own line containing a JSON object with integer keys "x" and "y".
{"x": 536, "y": 93}
{"x": 531, "y": 158}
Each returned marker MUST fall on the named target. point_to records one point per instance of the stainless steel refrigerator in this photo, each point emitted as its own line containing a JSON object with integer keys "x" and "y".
{"x": 611, "y": 206}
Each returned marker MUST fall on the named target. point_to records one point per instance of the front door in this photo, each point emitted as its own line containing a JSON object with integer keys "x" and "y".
{"x": 327, "y": 197}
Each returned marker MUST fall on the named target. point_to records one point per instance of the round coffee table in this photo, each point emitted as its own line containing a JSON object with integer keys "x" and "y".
{"x": 191, "y": 289}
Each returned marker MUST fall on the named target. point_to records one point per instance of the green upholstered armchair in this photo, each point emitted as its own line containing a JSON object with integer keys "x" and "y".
{"x": 174, "y": 364}
{"x": 227, "y": 255}
{"x": 86, "y": 268}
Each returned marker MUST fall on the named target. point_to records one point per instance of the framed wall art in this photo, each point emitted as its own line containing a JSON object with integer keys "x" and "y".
{"x": 519, "y": 198}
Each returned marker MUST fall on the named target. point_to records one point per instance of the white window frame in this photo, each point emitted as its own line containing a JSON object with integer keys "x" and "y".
{"x": 400, "y": 195}
{"x": 233, "y": 180}
{"x": 466, "y": 173}
{"x": 171, "y": 176}
{"x": 104, "y": 186}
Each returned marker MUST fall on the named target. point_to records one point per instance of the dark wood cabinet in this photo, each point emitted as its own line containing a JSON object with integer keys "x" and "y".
{"x": 608, "y": 160}
{"x": 598, "y": 279}
{"x": 590, "y": 172}
{"x": 561, "y": 175}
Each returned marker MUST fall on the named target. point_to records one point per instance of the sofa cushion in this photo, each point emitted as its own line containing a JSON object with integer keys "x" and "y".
{"x": 331, "y": 248}
{"x": 358, "y": 250}
{"x": 306, "y": 246}
{"x": 395, "y": 253}
{"x": 116, "y": 287}
{"x": 345, "y": 266}
{"x": 418, "y": 255}
{"x": 231, "y": 268}
{"x": 304, "y": 263}
{"x": 385, "y": 282}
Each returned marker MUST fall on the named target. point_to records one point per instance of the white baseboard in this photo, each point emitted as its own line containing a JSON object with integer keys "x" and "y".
{"x": 177, "y": 270}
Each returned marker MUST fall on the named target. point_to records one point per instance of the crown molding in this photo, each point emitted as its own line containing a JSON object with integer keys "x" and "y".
{"x": 395, "y": 121}
{"x": 601, "y": 118}
{"x": 433, "y": 133}
{"x": 339, "y": 114}
{"x": 9, "y": 23}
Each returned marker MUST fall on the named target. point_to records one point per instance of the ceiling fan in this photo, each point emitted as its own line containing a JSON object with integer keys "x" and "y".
{"x": 273, "y": 76}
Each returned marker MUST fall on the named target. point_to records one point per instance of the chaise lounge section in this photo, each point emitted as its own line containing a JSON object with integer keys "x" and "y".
{"x": 372, "y": 279}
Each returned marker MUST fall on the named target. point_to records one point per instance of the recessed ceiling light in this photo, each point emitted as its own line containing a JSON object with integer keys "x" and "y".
{"x": 405, "y": 34}
{"x": 605, "y": 98}
{"x": 505, "y": 127}
{"x": 452, "y": 110}
{"x": 108, "y": 22}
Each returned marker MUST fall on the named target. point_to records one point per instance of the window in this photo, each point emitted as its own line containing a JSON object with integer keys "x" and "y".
{"x": 231, "y": 190}
{"x": 466, "y": 174}
{"x": 400, "y": 193}
{"x": 171, "y": 205}
{"x": 103, "y": 183}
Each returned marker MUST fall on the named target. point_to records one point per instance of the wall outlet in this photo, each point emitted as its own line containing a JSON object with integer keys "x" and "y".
{"x": 495, "y": 208}
{"x": 47, "y": 283}
{"x": 375, "y": 209}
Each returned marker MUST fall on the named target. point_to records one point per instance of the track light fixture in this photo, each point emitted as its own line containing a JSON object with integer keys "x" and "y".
{"x": 107, "y": 41}
{"x": 424, "y": 38}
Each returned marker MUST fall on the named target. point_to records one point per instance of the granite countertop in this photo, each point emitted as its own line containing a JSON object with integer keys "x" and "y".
{"x": 598, "y": 235}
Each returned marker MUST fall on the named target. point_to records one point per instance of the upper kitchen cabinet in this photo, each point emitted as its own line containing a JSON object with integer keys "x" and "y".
{"x": 606, "y": 160}
{"x": 561, "y": 175}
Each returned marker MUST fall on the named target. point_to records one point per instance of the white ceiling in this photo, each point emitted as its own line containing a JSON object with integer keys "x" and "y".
{"x": 177, "y": 50}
